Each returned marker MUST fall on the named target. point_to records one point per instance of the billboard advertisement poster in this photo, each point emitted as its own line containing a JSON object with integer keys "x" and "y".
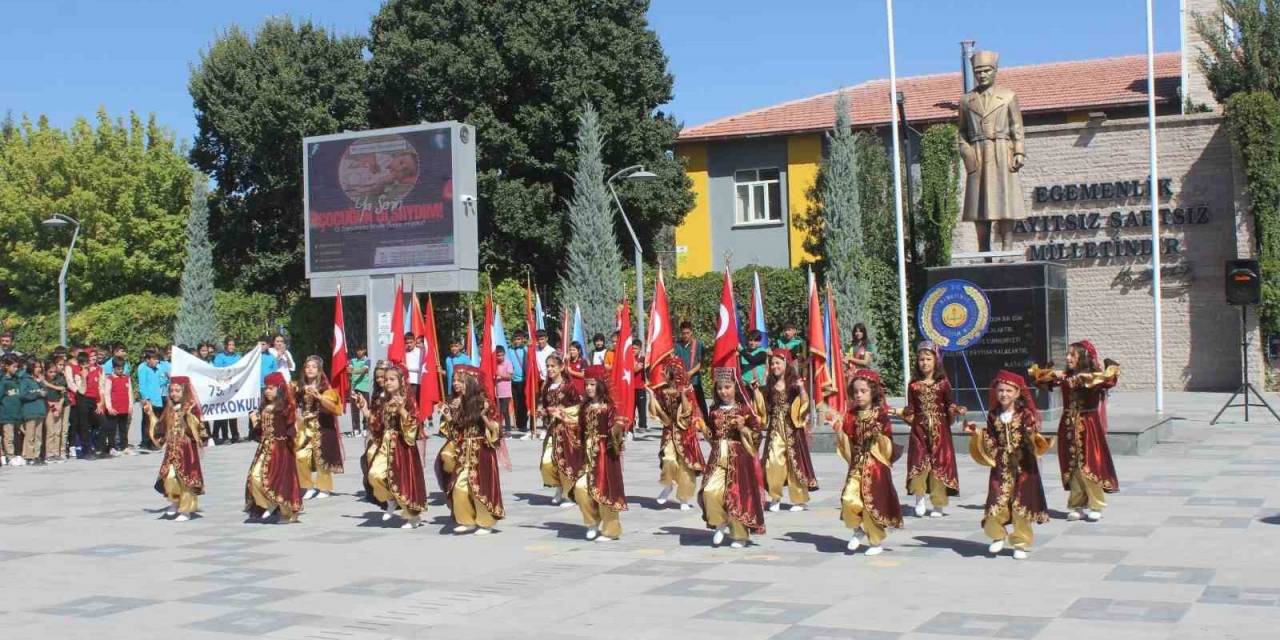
{"x": 380, "y": 201}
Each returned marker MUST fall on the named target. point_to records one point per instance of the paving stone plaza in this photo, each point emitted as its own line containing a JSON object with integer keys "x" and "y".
{"x": 1190, "y": 548}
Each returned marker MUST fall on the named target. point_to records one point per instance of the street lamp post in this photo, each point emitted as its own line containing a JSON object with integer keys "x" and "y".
{"x": 59, "y": 220}
{"x": 634, "y": 172}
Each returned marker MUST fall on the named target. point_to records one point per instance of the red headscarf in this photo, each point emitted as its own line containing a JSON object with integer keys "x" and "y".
{"x": 784, "y": 354}
{"x": 1020, "y": 383}
{"x": 1092, "y": 351}
{"x": 189, "y": 399}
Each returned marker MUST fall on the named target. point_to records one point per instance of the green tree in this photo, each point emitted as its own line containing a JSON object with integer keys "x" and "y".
{"x": 939, "y": 206}
{"x": 518, "y": 70}
{"x": 842, "y": 212}
{"x": 1243, "y": 58}
{"x": 126, "y": 183}
{"x": 594, "y": 270}
{"x": 256, "y": 95}
{"x": 196, "y": 320}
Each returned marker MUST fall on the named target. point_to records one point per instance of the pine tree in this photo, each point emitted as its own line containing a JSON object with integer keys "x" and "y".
{"x": 841, "y": 205}
{"x": 196, "y": 320}
{"x": 594, "y": 278}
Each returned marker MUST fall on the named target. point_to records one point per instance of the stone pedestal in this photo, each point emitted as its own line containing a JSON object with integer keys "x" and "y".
{"x": 1028, "y": 326}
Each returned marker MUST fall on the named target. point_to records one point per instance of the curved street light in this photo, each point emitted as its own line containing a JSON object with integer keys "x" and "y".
{"x": 637, "y": 173}
{"x": 58, "y": 220}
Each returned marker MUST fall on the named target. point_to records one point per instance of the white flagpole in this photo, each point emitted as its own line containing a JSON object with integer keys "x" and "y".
{"x": 1154, "y": 192}
{"x": 905, "y": 331}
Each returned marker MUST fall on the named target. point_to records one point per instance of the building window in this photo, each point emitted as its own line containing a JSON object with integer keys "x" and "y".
{"x": 759, "y": 196}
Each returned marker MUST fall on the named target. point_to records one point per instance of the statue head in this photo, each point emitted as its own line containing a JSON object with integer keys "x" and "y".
{"x": 984, "y": 67}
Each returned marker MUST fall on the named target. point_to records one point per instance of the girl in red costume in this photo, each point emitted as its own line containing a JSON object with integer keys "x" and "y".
{"x": 273, "y": 476}
{"x": 1010, "y": 445}
{"x": 319, "y": 446}
{"x": 1083, "y": 455}
{"x": 680, "y": 460}
{"x": 931, "y": 454}
{"x": 786, "y": 442}
{"x": 561, "y": 457}
{"x": 599, "y": 490}
{"x": 467, "y": 466}
{"x": 730, "y": 496}
{"x": 394, "y": 467}
{"x": 869, "y": 503}
{"x": 181, "y": 480}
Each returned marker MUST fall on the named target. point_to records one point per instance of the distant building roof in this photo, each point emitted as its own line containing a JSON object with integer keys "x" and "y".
{"x": 1057, "y": 86}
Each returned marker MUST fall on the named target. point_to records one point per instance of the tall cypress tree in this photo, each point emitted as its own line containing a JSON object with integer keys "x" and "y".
{"x": 196, "y": 320}
{"x": 842, "y": 209}
{"x": 594, "y": 278}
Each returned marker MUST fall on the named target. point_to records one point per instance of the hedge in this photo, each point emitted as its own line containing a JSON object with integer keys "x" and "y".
{"x": 140, "y": 319}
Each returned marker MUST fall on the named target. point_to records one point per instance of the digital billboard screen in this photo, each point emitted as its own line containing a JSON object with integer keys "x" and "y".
{"x": 381, "y": 201}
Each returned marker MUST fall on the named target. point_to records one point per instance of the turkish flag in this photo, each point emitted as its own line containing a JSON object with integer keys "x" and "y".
{"x": 430, "y": 387}
{"x": 817, "y": 342}
{"x": 661, "y": 344}
{"x": 395, "y": 351}
{"x": 622, "y": 377}
{"x": 838, "y": 400}
{"x": 725, "y": 351}
{"x": 339, "y": 375}
{"x": 532, "y": 380}
{"x": 416, "y": 326}
{"x": 488, "y": 367}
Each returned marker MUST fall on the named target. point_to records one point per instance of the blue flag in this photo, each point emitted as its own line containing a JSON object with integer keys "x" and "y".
{"x": 499, "y": 331}
{"x": 579, "y": 335}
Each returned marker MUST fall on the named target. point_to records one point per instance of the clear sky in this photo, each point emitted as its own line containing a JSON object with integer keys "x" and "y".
{"x": 64, "y": 58}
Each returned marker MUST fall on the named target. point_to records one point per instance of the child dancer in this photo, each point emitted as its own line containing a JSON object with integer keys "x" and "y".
{"x": 599, "y": 489}
{"x": 1010, "y": 445}
{"x": 931, "y": 454}
{"x": 179, "y": 428}
{"x": 319, "y": 446}
{"x": 272, "y": 485}
{"x": 1083, "y": 455}
{"x": 561, "y": 456}
{"x": 680, "y": 459}
{"x": 869, "y": 503}
{"x": 467, "y": 467}
{"x": 394, "y": 466}
{"x": 786, "y": 442}
{"x": 730, "y": 494}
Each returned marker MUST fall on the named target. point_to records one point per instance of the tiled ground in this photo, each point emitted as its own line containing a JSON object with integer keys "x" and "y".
{"x": 1189, "y": 549}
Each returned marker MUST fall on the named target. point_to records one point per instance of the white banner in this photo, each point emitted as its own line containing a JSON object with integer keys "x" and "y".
{"x": 224, "y": 392}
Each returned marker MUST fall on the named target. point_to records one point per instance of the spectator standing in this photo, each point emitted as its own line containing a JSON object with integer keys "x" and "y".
{"x": 639, "y": 380}
{"x": 117, "y": 396}
{"x": 226, "y": 430}
{"x": 10, "y": 406}
{"x": 269, "y": 363}
{"x": 544, "y": 351}
{"x": 413, "y": 363}
{"x": 108, "y": 365}
{"x": 34, "y": 410}
{"x": 598, "y": 350}
{"x": 6, "y": 345}
{"x": 503, "y": 375}
{"x": 55, "y": 424}
{"x": 456, "y": 357}
{"x": 282, "y": 359}
{"x": 361, "y": 383}
{"x": 153, "y": 386}
{"x": 93, "y": 408}
{"x": 517, "y": 355}
{"x": 689, "y": 350}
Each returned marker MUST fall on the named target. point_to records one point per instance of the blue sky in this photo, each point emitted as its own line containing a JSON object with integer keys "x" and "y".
{"x": 64, "y": 58}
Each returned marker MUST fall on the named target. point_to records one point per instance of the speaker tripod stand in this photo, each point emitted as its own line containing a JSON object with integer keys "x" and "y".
{"x": 1246, "y": 387}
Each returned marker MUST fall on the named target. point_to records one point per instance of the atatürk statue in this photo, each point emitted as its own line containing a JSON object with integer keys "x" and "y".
{"x": 991, "y": 145}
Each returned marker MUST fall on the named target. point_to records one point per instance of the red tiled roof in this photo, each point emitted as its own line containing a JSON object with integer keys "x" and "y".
{"x": 1058, "y": 86}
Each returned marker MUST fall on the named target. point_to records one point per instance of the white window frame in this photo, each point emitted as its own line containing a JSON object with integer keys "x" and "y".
{"x": 740, "y": 218}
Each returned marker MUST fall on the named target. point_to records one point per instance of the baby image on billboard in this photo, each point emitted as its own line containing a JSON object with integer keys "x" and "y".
{"x": 380, "y": 201}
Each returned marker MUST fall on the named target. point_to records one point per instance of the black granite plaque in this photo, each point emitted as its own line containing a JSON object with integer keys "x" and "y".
{"x": 1028, "y": 326}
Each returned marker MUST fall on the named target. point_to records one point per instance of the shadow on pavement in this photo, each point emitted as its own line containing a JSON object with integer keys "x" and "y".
{"x": 688, "y": 537}
{"x": 821, "y": 543}
{"x": 963, "y": 548}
